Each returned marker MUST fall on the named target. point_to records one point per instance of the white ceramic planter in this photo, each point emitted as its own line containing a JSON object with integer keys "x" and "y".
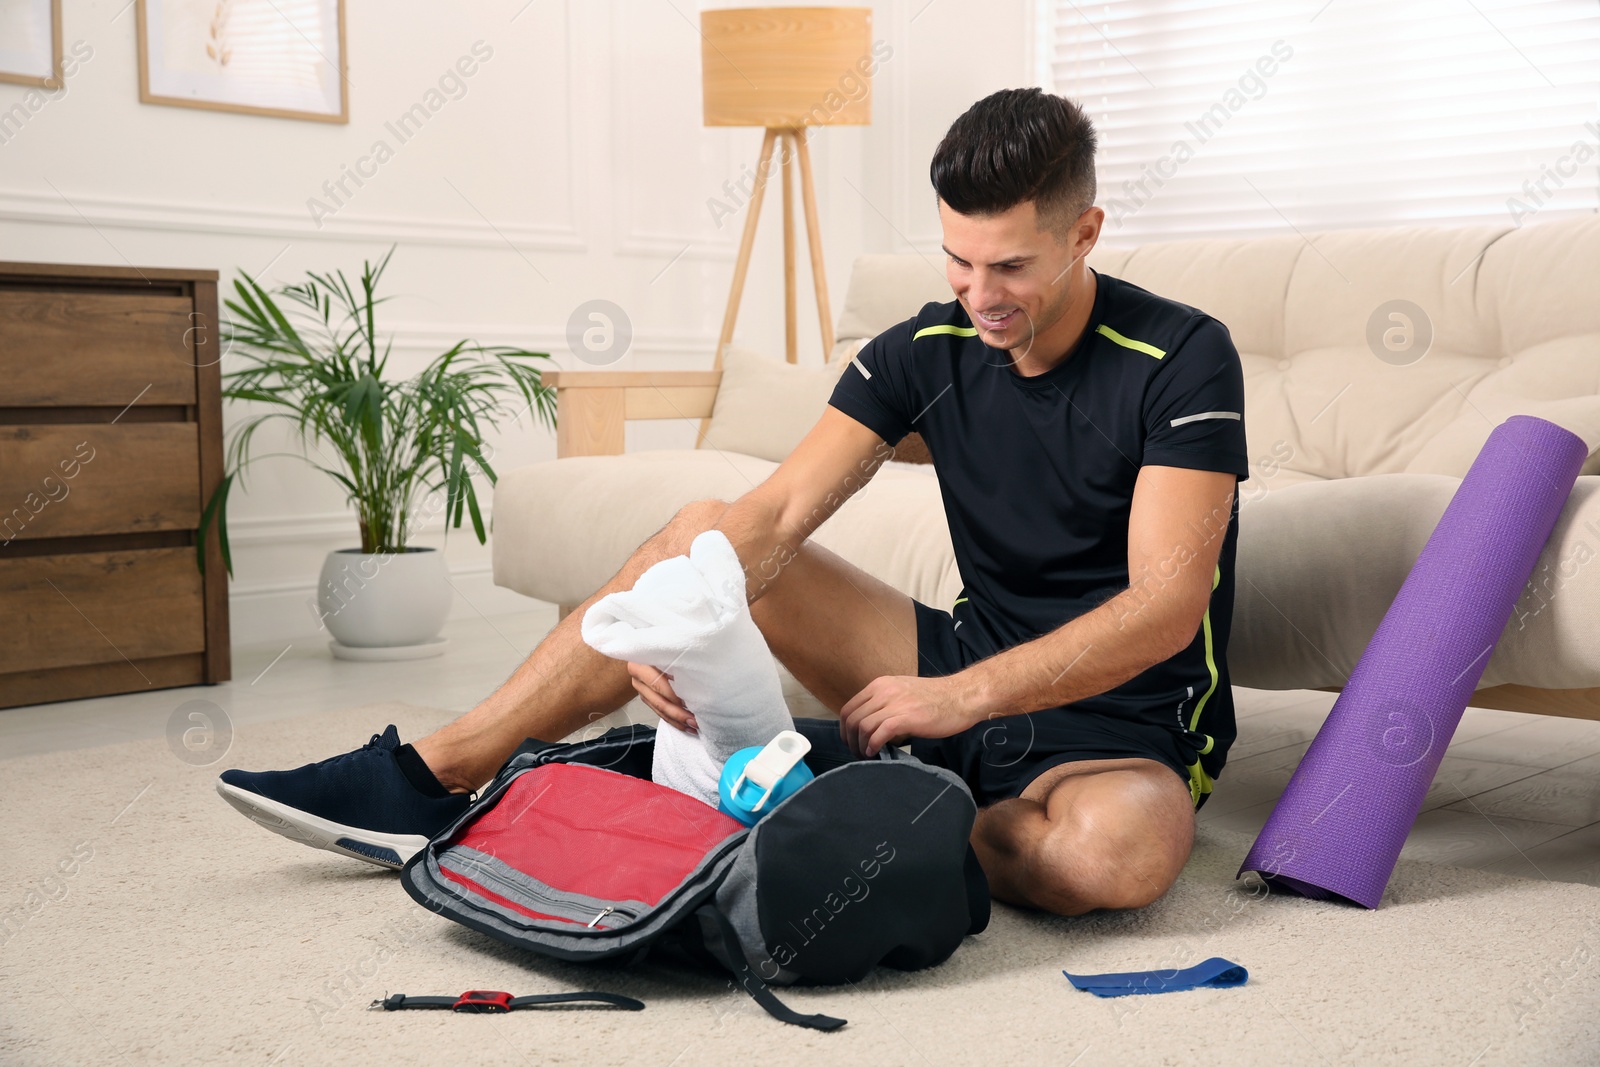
{"x": 385, "y": 605}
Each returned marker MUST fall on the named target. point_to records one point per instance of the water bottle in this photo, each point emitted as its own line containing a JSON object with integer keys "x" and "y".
{"x": 757, "y": 779}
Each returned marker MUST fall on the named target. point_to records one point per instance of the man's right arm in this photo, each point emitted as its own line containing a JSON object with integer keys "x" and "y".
{"x": 868, "y": 413}
{"x": 767, "y": 525}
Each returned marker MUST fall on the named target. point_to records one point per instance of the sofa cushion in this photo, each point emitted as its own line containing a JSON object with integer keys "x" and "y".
{"x": 1268, "y": 475}
{"x": 1227, "y": 279}
{"x": 1452, "y": 450}
{"x": 885, "y": 290}
{"x": 1317, "y": 393}
{"x": 1319, "y": 565}
{"x": 764, "y": 407}
{"x": 1345, "y": 410}
{"x": 591, "y": 512}
{"x": 1537, "y": 283}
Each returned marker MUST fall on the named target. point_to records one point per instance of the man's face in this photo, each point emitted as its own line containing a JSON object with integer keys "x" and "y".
{"x": 1013, "y": 279}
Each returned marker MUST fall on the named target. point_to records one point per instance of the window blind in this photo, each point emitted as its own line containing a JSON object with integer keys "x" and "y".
{"x": 1227, "y": 118}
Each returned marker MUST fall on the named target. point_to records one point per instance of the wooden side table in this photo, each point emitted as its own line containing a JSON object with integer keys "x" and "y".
{"x": 110, "y": 444}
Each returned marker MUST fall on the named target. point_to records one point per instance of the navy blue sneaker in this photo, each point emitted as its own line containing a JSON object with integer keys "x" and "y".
{"x": 361, "y": 804}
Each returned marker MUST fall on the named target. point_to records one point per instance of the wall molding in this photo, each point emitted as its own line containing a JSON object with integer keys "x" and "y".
{"x": 426, "y": 340}
{"x": 245, "y": 591}
{"x": 277, "y": 529}
{"x": 328, "y": 526}
{"x": 900, "y": 138}
{"x": 433, "y": 338}
{"x": 133, "y": 213}
{"x": 668, "y": 245}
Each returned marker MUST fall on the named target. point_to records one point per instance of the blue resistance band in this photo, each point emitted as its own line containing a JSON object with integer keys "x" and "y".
{"x": 1216, "y": 973}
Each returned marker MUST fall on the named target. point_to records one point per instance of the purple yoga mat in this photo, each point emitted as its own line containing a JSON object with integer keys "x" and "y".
{"x": 1339, "y": 827}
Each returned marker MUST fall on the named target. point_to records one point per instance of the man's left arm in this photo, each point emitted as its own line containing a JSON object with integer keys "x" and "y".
{"x": 1176, "y": 527}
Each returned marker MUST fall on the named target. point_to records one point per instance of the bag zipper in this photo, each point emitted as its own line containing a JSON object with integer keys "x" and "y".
{"x": 562, "y": 907}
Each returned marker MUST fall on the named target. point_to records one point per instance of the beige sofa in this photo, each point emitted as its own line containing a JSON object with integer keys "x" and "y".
{"x": 1354, "y": 454}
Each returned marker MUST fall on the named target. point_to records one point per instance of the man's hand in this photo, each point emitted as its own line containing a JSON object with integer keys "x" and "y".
{"x": 655, "y": 689}
{"x": 895, "y": 707}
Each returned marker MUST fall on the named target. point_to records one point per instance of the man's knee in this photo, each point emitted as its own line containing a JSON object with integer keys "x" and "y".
{"x": 1108, "y": 851}
{"x": 1109, "y": 881}
{"x": 674, "y": 538}
{"x": 1076, "y": 880}
{"x": 689, "y": 522}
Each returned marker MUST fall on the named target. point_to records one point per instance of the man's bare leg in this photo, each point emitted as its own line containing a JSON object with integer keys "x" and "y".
{"x": 833, "y": 625}
{"x": 563, "y": 685}
{"x": 1112, "y": 833}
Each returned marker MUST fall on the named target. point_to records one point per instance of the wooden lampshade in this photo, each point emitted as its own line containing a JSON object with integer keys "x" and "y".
{"x": 787, "y": 67}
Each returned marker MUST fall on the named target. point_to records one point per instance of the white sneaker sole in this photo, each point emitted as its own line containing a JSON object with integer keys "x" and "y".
{"x": 384, "y": 850}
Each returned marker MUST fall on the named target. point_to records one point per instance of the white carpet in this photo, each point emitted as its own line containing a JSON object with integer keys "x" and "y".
{"x": 189, "y": 935}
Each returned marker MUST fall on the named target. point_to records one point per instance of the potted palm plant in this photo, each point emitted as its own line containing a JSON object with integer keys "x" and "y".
{"x": 396, "y": 445}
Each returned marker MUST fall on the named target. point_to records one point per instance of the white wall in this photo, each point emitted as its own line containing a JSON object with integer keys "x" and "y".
{"x": 573, "y": 167}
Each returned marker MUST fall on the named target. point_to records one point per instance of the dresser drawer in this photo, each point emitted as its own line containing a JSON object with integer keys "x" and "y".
{"x": 70, "y": 480}
{"x": 96, "y": 349}
{"x": 100, "y": 607}
{"x": 110, "y": 445}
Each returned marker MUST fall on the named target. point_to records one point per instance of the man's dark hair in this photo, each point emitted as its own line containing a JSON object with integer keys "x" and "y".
{"x": 1017, "y": 145}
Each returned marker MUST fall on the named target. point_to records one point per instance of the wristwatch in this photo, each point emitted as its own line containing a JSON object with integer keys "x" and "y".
{"x": 493, "y": 1002}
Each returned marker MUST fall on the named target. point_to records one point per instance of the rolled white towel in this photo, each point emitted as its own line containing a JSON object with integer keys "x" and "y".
{"x": 688, "y": 617}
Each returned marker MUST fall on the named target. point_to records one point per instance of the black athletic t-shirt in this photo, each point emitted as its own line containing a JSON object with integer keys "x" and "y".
{"x": 1037, "y": 475}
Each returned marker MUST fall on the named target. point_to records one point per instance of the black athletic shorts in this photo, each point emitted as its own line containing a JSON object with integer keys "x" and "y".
{"x": 1000, "y": 757}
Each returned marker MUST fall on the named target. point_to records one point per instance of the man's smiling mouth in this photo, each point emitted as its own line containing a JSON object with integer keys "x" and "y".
{"x": 995, "y": 321}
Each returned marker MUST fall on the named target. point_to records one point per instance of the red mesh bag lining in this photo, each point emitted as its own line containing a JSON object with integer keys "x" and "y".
{"x": 581, "y": 829}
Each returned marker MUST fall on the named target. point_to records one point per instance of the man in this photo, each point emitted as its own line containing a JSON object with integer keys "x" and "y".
{"x": 1087, "y": 437}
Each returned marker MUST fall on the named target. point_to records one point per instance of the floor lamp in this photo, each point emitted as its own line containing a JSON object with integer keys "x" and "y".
{"x": 785, "y": 69}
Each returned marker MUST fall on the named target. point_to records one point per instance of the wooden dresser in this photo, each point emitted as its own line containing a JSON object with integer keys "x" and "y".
{"x": 110, "y": 442}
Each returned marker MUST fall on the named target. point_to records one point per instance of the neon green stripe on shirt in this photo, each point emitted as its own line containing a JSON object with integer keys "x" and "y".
{"x": 958, "y": 331}
{"x": 1128, "y": 342}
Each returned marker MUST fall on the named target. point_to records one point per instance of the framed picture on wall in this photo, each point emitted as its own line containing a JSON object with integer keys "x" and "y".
{"x": 30, "y": 42}
{"x": 281, "y": 58}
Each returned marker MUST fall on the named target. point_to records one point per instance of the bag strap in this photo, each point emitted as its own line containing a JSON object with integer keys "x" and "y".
{"x": 752, "y": 983}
